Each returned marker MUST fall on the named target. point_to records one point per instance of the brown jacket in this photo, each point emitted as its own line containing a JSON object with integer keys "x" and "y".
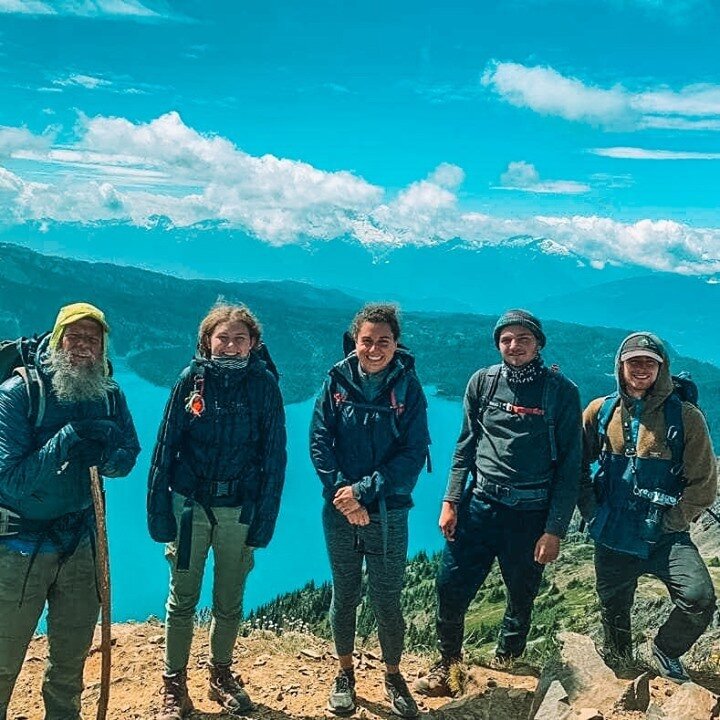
{"x": 699, "y": 467}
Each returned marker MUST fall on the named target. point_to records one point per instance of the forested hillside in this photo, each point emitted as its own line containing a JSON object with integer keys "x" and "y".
{"x": 154, "y": 319}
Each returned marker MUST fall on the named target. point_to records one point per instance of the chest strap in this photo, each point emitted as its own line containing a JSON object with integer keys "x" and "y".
{"x": 515, "y": 409}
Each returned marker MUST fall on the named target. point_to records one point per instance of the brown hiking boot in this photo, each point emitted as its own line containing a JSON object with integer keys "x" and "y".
{"x": 437, "y": 682}
{"x": 227, "y": 690}
{"x": 176, "y": 703}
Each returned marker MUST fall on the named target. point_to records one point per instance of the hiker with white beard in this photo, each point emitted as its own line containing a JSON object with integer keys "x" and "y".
{"x": 60, "y": 414}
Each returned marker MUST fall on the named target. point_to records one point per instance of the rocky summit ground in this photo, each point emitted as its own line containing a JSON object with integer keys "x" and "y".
{"x": 288, "y": 677}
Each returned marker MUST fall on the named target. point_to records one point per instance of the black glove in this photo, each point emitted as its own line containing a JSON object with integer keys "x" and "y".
{"x": 86, "y": 453}
{"x": 162, "y": 527}
{"x": 105, "y": 432}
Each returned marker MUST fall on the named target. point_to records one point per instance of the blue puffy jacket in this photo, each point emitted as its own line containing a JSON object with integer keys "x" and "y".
{"x": 233, "y": 454}
{"x": 39, "y": 480}
{"x": 378, "y": 447}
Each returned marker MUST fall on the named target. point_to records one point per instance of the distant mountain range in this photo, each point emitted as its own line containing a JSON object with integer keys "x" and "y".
{"x": 452, "y": 276}
{"x": 154, "y": 319}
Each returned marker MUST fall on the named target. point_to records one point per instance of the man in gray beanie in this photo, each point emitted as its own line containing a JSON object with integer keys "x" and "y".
{"x": 511, "y": 491}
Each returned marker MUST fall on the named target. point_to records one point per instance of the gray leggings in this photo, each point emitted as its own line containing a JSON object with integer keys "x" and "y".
{"x": 347, "y": 546}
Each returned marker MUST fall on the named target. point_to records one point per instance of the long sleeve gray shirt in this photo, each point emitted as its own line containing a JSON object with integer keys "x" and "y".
{"x": 514, "y": 449}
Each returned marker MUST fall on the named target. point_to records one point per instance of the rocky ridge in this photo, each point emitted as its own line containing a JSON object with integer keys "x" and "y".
{"x": 288, "y": 676}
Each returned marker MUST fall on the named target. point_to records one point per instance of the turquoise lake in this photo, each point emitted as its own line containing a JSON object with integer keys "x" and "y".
{"x": 297, "y": 551}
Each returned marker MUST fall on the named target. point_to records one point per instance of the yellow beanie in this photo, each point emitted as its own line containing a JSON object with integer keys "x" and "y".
{"x": 79, "y": 311}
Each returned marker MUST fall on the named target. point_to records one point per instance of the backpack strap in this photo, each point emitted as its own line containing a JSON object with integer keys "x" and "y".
{"x": 195, "y": 401}
{"x": 604, "y": 416}
{"x": 488, "y": 386}
{"x": 35, "y": 389}
{"x": 549, "y": 403}
{"x": 675, "y": 431}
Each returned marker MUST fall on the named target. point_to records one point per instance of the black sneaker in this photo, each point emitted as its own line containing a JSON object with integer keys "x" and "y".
{"x": 342, "y": 695}
{"x": 669, "y": 667}
{"x": 402, "y": 702}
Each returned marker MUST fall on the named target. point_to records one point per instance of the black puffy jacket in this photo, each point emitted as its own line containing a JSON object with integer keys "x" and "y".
{"x": 379, "y": 447}
{"x": 238, "y": 442}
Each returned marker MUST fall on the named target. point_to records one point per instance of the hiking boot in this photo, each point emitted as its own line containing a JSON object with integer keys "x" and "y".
{"x": 669, "y": 667}
{"x": 437, "y": 682}
{"x": 402, "y": 702}
{"x": 227, "y": 690}
{"x": 342, "y": 695}
{"x": 176, "y": 703}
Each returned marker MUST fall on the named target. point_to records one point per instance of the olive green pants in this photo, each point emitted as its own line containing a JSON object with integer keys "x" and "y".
{"x": 70, "y": 591}
{"x": 233, "y": 561}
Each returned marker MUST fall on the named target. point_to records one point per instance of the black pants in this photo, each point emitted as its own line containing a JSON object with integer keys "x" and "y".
{"x": 674, "y": 560}
{"x": 485, "y": 531}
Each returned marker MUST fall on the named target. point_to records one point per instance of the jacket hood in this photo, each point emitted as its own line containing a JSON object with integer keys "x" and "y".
{"x": 663, "y": 386}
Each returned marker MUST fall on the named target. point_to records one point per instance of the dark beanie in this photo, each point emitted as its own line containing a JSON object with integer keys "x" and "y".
{"x": 519, "y": 317}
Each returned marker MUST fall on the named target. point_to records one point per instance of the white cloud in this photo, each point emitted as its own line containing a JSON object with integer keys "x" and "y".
{"x": 115, "y": 169}
{"x": 274, "y": 198}
{"x": 81, "y": 8}
{"x": 87, "y": 81}
{"x": 634, "y": 153}
{"x": 9, "y": 181}
{"x": 524, "y": 177}
{"x": 546, "y": 91}
{"x": 26, "y": 7}
{"x": 14, "y": 138}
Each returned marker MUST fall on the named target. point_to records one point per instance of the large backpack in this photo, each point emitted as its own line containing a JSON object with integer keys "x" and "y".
{"x": 19, "y": 357}
{"x": 548, "y": 404}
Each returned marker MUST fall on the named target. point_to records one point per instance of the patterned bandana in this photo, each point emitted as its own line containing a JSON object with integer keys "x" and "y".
{"x": 525, "y": 374}
{"x": 231, "y": 363}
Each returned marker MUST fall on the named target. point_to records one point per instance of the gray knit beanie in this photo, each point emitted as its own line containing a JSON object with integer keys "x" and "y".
{"x": 519, "y": 317}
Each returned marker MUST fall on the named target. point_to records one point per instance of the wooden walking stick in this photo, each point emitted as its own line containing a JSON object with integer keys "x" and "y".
{"x": 102, "y": 574}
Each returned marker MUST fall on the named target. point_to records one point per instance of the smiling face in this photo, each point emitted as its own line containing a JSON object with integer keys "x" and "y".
{"x": 231, "y": 339}
{"x": 82, "y": 342}
{"x": 518, "y": 346}
{"x": 375, "y": 346}
{"x": 639, "y": 375}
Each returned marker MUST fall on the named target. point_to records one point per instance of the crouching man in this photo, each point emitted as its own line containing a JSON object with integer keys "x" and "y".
{"x": 656, "y": 473}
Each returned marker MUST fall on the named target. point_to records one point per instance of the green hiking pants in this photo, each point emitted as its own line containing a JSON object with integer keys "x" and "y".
{"x": 70, "y": 591}
{"x": 233, "y": 561}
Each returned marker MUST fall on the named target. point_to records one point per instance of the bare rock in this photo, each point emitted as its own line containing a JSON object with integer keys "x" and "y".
{"x": 312, "y": 654}
{"x": 689, "y": 702}
{"x": 588, "y": 681}
{"x": 588, "y": 714}
{"x": 637, "y": 694}
{"x": 555, "y": 705}
{"x": 495, "y": 704}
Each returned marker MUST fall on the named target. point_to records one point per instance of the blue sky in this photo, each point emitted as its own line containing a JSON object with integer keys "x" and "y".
{"x": 594, "y": 123}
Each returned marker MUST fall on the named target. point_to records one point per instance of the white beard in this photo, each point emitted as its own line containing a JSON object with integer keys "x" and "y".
{"x": 77, "y": 383}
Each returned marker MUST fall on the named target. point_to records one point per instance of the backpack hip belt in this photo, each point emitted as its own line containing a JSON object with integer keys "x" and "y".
{"x": 509, "y": 495}
{"x": 10, "y": 522}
